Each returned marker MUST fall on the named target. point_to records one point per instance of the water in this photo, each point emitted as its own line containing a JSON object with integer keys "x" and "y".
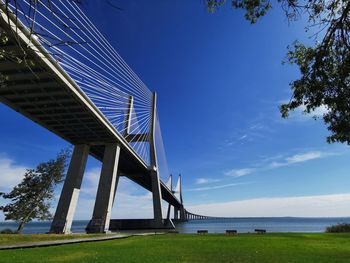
{"x": 78, "y": 226}
{"x": 271, "y": 224}
{"x": 243, "y": 225}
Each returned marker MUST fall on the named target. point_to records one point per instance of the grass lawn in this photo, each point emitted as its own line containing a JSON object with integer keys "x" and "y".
{"x": 269, "y": 248}
{"x": 12, "y": 239}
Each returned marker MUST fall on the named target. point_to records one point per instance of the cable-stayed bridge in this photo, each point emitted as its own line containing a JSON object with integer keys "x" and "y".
{"x": 58, "y": 70}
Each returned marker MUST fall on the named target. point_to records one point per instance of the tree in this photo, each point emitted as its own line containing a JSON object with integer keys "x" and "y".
{"x": 30, "y": 199}
{"x": 324, "y": 67}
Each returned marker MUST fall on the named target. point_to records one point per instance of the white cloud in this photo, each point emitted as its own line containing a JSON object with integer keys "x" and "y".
{"x": 243, "y": 137}
{"x": 214, "y": 187}
{"x": 280, "y": 161}
{"x": 300, "y": 158}
{"x": 334, "y": 205}
{"x": 93, "y": 175}
{"x": 256, "y": 126}
{"x": 320, "y": 111}
{"x": 240, "y": 172}
{"x": 90, "y": 181}
{"x": 299, "y": 114}
{"x": 125, "y": 206}
{"x": 206, "y": 180}
{"x": 10, "y": 173}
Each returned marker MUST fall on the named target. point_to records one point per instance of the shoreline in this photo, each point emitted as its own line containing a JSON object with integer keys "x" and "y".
{"x": 242, "y": 225}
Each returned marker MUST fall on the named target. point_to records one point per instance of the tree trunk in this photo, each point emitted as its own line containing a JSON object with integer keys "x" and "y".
{"x": 21, "y": 226}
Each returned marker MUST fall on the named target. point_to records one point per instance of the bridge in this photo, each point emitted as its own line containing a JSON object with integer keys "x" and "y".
{"x": 59, "y": 71}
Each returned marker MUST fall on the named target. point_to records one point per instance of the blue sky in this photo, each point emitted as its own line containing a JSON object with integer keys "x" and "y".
{"x": 219, "y": 82}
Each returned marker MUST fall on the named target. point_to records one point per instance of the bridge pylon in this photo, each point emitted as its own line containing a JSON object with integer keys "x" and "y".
{"x": 154, "y": 172}
{"x": 101, "y": 218}
{"x": 64, "y": 214}
{"x": 180, "y": 211}
{"x": 106, "y": 190}
{"x": 171, "y": 189}
{"x": 107, "y": 186}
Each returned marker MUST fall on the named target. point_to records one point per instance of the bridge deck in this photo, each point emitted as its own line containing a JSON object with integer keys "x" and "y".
{"x": 40, "y": 89}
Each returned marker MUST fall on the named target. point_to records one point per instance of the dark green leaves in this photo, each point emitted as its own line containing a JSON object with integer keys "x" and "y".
{"x": 254, "y": 8}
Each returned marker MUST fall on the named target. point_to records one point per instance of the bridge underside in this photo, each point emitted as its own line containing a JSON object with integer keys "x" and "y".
{"x": 37, "y": 93}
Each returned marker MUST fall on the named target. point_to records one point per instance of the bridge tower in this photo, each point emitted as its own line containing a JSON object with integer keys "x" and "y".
{"x": 170, "y": 185}
{"x": 179, "y": 212}
{"x": 108, "y": 182}
{"x": 154, "y": 172}
{"x": 182, "y": 208}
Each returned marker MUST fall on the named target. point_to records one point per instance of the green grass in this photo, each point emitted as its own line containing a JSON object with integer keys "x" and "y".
{"x": 269, "y": 248}
{"x": 12, "y": 239}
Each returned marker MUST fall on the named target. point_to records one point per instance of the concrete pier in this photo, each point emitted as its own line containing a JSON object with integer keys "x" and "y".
{"x": 63, "y": 218}
{"x": 176, "y": 213}
{"x": 182, "y": 213}
{"x": 157, "y": 201}
{"x": 106, "y": 191}
{"x": 138, "y": 224}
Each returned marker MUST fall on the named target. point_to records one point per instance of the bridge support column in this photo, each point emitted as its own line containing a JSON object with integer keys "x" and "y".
{"x": 168, "y": 213}
{"x": 156, "y": 192}
{"x": 64, "y": 214}
{"x": 106, "y": 189}
{"x": 175, "y": 213}
{"x": 157, "y": 200}
{"x": 182, "y": 214}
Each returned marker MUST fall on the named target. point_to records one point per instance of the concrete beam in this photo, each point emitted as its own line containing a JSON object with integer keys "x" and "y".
{"x": 63, "y": 218}
{"x": 141, "y": 137}
{"x": 128, "y": 116}
{"x": 106, "y": 191}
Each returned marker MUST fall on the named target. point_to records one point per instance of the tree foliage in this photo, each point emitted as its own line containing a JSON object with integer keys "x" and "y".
{"x": 30, "y": 199}
{"x": 324, "y": 67}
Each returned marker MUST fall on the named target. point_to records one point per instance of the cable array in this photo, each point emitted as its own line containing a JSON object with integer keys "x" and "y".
{"x": 161, "y": 155}
{"x": 71, "y": 38}
{"x": 169, "y": 182}
{"x": 176, "y": 190}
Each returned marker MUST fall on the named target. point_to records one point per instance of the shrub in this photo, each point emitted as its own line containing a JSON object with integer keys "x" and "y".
{"x": 339, "y": 228}
{"x": 8, "y": 231}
